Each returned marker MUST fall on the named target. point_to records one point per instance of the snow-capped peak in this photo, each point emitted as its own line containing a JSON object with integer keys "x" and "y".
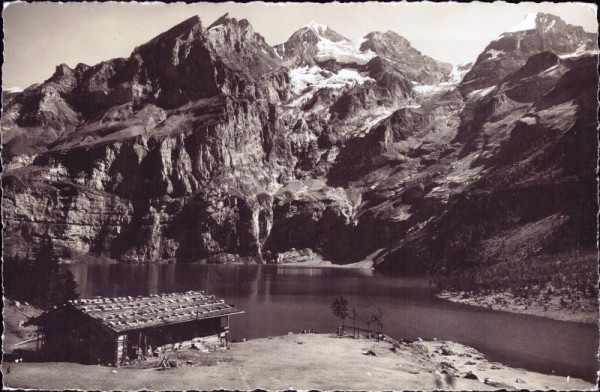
{"x": 528, "y": 23}
{"x": 332, "y": 46}
{"x": 317, "y": 27}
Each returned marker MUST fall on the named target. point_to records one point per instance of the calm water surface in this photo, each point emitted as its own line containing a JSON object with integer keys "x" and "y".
{"x": 281, "y": 299}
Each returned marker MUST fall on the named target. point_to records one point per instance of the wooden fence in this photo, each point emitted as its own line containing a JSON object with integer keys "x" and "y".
{"x": 359, "y": 332}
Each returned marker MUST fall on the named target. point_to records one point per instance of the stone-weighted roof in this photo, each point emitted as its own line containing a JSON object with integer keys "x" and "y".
{"x": 122, "y": 314}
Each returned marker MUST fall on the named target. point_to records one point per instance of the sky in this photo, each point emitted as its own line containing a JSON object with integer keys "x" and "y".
{"x": 40, "y": 36}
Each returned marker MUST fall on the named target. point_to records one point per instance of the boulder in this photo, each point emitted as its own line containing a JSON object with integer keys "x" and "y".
{"x": 471, "y": 376}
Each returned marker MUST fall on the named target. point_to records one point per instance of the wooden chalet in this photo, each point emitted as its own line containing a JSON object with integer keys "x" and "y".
{"x": 115, "y": 330}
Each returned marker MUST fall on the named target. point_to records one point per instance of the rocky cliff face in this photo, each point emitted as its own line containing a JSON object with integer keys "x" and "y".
{"x": 414, "y": 65}
{"x": 529, "y": 147}
{"x": 209, "y": 144}
{"x": 182, "y": 132}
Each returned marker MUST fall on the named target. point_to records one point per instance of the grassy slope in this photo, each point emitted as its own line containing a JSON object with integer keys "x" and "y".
{"x": 13, "y": 317}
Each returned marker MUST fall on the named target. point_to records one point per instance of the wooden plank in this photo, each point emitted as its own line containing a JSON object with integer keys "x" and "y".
{"x": 121, "y": 348}
{"x": 25, "y": 341}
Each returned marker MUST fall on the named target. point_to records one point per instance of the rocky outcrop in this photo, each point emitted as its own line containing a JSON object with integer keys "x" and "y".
{"x": 78, "y": 219}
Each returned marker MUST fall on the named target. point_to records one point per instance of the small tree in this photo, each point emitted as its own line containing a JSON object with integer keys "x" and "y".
{"x": 377, "y": 318}
{"x": 369, "y": 322}
{"x": 339, "y": 307}
{"x": 352, "y": 316}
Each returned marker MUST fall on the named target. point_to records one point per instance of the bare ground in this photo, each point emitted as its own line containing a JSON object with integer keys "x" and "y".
{"x": 305, "y": 361}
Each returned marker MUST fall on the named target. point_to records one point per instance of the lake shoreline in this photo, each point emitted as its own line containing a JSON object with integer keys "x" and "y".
{"x": 292, "y": 258}
{"x": 327, "y": 264}
{"x": 282, "y": 298}
{"x": 582, "y": 312}
{"x": 363, "y": 363}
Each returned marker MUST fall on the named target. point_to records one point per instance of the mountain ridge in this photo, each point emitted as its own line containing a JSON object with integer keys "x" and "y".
{"x": 209, "y": 144}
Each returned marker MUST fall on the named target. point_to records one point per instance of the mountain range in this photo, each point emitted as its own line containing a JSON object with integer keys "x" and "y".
{"x": 208, "y": 144}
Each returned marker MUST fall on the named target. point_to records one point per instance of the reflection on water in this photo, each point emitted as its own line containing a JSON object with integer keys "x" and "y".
{"x": 280, "y": 299}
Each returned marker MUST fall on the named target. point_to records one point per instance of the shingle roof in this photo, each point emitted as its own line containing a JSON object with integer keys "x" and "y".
{"x": 129, "y": 313}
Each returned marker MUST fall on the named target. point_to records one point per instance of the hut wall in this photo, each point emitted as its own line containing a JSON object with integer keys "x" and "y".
{"x": 75, "y": 337}
{"x": 204, "y": 332}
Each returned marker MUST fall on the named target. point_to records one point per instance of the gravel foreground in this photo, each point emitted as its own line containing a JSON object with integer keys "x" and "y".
{"x": 302, "y": 362}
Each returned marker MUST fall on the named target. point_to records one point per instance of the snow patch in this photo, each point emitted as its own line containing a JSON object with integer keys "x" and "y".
{"x": 401, "y": 213}
{"x": 462, "y": 171}
{"x": 577, "y": 54}
{"x": 456, "y": 76}
{"x": 13, "y": 90}
{"x": 549, "y": 26}
{"x": 373, "y": 119}
{"x": 319, "y": 78}
{"x": 495, "y": 53}
{"x": 302, "y": 77}
{"x": 481, "y": 92}
{"x": 342, "y": 51}
{"x": 426, "y": 88}
{"x": 529, "y": 120}
{"x": 216, "y": 27}
{"x": 429, "y": 89}
{"x": 549, "y": 70}
{"x": 458, "y": 73}
{"x": 580, "y": 51}
{"x": 528, "y": 23}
